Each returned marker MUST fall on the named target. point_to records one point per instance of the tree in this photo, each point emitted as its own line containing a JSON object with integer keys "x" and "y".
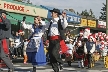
{"x": 91, "y": 13}
{"x": 103, "y": 13}
{"x": 82, "y": 13}
{"x": 66, "y": 9}
{"x": 72, "y": 10}
{"x": 19, "y": 0}
{"x": 86, "y": 13}
{"x": 28, "y": 2}
{"x": 77, "y": 13}
{"x": 25, "y": 1}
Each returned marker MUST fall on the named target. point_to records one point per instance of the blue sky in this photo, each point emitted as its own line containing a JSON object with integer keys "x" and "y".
{"x": 77, "y": 5}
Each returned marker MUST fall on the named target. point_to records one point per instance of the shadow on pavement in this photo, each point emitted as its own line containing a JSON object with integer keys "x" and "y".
{"x": 19, "y": 69}
{"x": 18, "y": 60}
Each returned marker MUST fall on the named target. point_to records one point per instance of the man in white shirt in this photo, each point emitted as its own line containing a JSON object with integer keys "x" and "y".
{"x": 55, "y": 34}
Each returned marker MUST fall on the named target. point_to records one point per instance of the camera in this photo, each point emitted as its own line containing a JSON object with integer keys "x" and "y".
{"x": 24, "y": 18}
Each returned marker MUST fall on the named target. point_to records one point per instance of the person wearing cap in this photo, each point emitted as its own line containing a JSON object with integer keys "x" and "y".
{"x": 55, "y": 36}
{"x": 21, "y": 34}
{"x": 80, "y": 37}
{"x": 86, "y": 34}
{"x": 4, "y": 26}
{"x": 80, "y": 52}
{"x": 89, "y": 49}
{"x": 103, "y": 49}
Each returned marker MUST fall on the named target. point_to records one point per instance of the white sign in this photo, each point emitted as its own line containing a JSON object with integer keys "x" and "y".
{"x": 71, "y": 18}
{"x": 101, "y": 24}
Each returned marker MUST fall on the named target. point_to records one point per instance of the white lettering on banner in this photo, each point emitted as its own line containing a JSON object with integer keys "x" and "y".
{"x": 73, "y": 18}
{"x": 79, "y": 19}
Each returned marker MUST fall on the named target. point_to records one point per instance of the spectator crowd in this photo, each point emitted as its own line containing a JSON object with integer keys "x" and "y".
{"x": 18, "y": 44}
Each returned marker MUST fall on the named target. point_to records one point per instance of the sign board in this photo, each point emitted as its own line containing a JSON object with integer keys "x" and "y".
{"x": 89, "y": 23}
{"x": 23, "y": 9}
{"x": 83, "y": 22}
{"x": 71, "y": 18}
{"x": 101, "y": 24}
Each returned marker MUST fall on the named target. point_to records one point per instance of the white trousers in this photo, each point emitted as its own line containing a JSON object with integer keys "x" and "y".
{"x": 81, "y": 63}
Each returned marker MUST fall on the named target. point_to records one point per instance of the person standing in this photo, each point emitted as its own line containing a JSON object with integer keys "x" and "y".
{"x": 80, "y": 52}
{"x": 24, "y": 51}
{"x": 17, "y": 45}
{"x": 89, "y": 48}
{"x": 4, "y": 26}
{"x": 21, "y": 34}
{"x": 35, "y": 47}
{"x": 70, "y": 46}
{"x": 55, "y": 35}
{"x": 7, "y": 34}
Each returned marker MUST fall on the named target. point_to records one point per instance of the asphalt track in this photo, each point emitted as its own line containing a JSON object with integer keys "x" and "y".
{"x": 20, "y": 67}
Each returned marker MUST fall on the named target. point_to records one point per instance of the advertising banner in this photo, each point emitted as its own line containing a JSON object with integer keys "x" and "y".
{"x": 23, "y": 9}
{"x": 89, "y": 23}
{"x": 71, "y": 17}
{"x": 101, "y": 24}
{"x": 83, "y": 22}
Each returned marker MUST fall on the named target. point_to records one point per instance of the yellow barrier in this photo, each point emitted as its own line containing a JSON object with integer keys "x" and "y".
{"x": 106, "y": 61}
{"x": 92, "y": 62}
{"x": 45, "y": 49}
{"x": 96, "y": 57}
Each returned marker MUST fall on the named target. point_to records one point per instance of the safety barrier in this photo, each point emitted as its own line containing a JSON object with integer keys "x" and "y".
{"x": 96, "y": 57}
{"x": 45, "y": 50}
{"x": 92, "y": 62}
{"x": 106, "y": 61}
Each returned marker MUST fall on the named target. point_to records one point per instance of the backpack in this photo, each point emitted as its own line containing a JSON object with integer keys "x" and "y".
{"x": 60, "y": 28}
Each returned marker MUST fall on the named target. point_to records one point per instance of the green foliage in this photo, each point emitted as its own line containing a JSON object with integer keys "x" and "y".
{"x": 88, "y": 13}
{"x": 103, "y": 13}
{"x": 25, "y": 1}
{"x": 83, "y": 13}
{"x": 18, "y": 0}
